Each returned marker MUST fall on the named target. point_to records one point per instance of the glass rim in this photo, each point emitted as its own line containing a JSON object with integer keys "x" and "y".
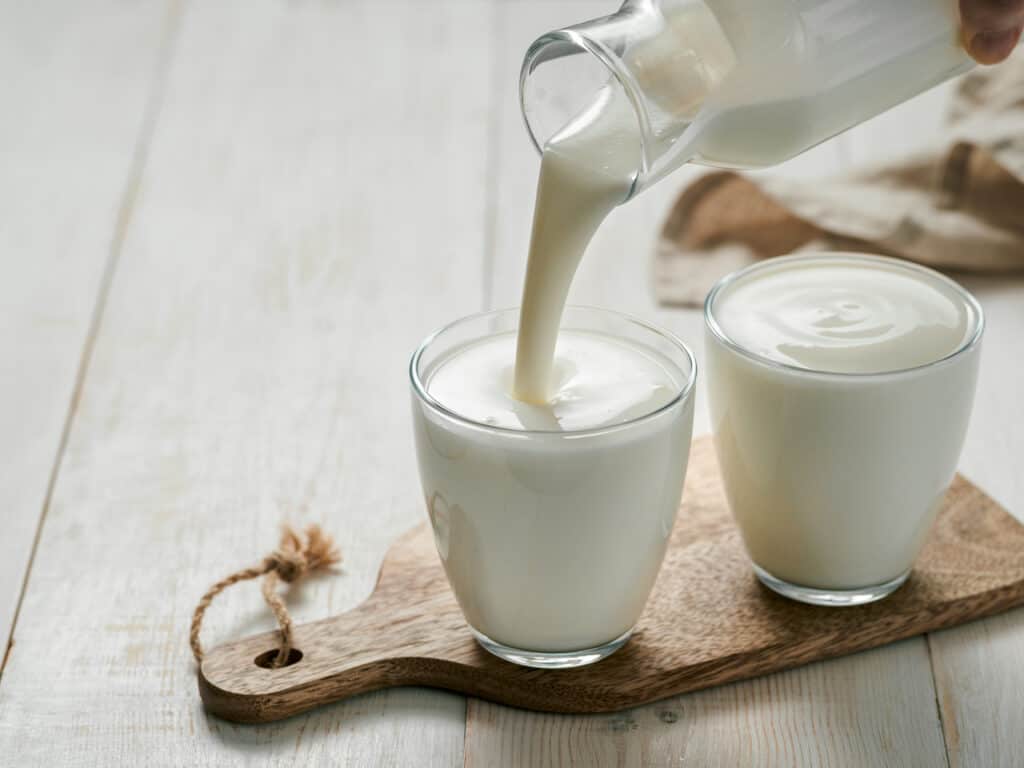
{"x": 970, "y": 341}
{"x": 430, "y": 401}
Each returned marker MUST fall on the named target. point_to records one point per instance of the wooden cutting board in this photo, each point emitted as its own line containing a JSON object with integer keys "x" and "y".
{"x": 708, "y": 622}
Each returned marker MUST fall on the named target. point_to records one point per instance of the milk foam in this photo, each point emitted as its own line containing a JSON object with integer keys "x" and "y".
{"x": 596, "y": 381}
{"x": 844, "y": 317}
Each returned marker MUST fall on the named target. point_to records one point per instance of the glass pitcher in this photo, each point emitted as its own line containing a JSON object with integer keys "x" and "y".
{"x": 740, "y": 83}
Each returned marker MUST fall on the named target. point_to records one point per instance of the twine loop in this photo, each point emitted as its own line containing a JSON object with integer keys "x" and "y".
{"x": 295, "y": 558}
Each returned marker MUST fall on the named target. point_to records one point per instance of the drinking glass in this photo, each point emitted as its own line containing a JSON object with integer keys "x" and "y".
{"x": 834, "y": 479}
{"x": 551, "y": 540}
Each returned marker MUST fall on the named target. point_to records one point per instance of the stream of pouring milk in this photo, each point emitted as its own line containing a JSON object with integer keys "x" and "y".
{"x": 587, "y": 169}
{"x": 595, "y": 380}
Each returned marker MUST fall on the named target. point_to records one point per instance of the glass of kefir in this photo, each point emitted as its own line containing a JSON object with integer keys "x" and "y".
{"x": 840, "y": 387}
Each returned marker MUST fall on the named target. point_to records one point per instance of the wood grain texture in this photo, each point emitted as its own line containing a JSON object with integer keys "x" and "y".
{"x": 708, "y": 621}
{"x": 311, "y": 206}
{"x": 979, "y": 674}
{"x": 850, "y": 711}
{"x": 73, "y": 96}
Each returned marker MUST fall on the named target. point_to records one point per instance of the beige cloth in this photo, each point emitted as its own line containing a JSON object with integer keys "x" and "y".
{"x": 961, "y": 208}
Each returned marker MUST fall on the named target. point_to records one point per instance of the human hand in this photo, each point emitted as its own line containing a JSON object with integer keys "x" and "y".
{"x": 991, "y": 28}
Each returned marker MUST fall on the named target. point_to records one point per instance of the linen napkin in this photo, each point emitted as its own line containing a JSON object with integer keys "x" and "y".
{"x": 959, "y": 207}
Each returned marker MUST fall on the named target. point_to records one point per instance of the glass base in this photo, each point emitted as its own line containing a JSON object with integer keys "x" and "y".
{"x": 546, "y": 660}
{"x": 830, "y": 597}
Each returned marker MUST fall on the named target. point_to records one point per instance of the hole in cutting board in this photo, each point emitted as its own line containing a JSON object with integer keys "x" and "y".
{"x": 266, "y": 659}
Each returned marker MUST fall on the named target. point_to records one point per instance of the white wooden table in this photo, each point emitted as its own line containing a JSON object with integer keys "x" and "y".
{"x": 224, "y": 225}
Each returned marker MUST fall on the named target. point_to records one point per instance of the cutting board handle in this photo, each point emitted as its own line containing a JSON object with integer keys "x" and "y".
{"x": 342, "y": 656}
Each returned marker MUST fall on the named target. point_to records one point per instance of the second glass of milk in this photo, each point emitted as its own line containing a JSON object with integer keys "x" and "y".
{"x": 840, "y": 387}
{"x": 552, "y": 532}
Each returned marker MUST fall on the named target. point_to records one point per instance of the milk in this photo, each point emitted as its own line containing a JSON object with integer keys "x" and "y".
{"x": 589, "y": 167}
{"x": 808, "y": 71}
{"x": 845, "y": 316}
{"x": 552, "y": 519}
{"x": 840, "y": 389}
{"x": 586, "y": 171}
{"x": 742, "y": 83}
{"x": 597, "y": 381}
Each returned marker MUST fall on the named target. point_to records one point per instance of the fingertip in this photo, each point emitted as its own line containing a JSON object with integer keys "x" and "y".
{"x": 993, "y": 47}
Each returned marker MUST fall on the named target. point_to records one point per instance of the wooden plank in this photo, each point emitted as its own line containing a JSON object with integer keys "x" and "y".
{"x": 872, "y": 708}
{"x": 842, "y": 712}
{"x": 312, "y": 205}
{"x": 979, "y": 674}
{"x": 979, "y": 668}
{"x": 90, "y": 67}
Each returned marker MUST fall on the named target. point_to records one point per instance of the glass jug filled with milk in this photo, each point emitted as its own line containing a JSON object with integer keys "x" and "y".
{"x": 734, "y": 83}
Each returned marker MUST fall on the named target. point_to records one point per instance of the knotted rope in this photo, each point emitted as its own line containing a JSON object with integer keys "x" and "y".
{"x": 292, "y": 560}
